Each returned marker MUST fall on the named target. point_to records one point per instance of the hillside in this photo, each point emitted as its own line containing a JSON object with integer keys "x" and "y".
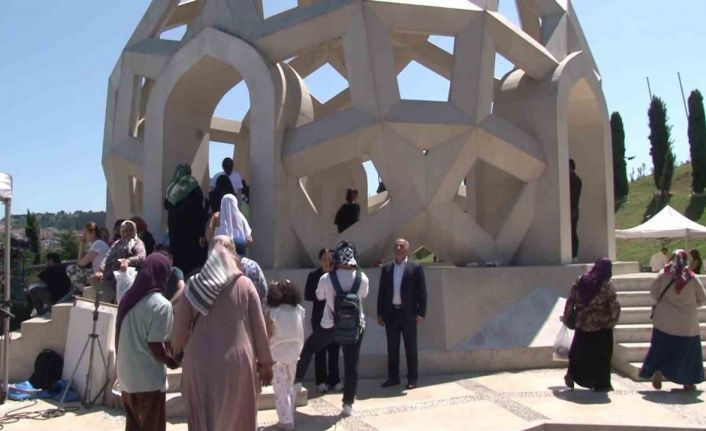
{"x": 641, "y": 203}
{"x": 62, "y": 220}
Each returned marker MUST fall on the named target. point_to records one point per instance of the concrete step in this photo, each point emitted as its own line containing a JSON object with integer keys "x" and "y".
{"x": 641, "y": 281}
{"x": 630, "y": 315}
{"x": 632, "y": 370}
{"x": 640, "y": 333}
{"x": 638, "y": 298}
{"x": 176, "y": 404}
{"x": 631, "y": 282}
{"x": 636, "y": 352}
{"x": 630, "y": 267}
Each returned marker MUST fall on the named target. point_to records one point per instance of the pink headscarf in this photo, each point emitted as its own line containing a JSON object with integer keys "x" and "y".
{"x": 678, "y": 269}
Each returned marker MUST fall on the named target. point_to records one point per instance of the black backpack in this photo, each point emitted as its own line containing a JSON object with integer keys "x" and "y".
{"x": 47, "y": 369}
{"x": 348, "y": 320}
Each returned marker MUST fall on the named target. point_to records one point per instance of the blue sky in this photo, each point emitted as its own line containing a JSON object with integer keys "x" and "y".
{"x": 57, "y": 57}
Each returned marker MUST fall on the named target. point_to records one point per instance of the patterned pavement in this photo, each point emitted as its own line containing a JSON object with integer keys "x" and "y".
{"x": 512, "y": 401}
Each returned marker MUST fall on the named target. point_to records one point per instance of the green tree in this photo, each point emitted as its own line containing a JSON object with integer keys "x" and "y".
{"x": 68, "y": 245}
{"x": 665, "y": 181}
{"x": 660, "y": 138}
{"x": 697, "y": 141}
{"x": 620, "y": 173}
{"x": 32, "y": 234}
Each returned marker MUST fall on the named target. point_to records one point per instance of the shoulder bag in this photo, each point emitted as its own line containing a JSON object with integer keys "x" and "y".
{"x": 652, "y": 315}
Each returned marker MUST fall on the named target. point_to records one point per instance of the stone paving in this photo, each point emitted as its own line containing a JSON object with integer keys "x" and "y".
{"x": 510, "y": 401}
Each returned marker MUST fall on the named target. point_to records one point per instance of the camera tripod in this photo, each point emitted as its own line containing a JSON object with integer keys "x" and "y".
{"x": 90, "y": 345}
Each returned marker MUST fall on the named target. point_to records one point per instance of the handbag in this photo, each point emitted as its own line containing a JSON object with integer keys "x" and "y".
{"x": 570, "y": 321}
{"x": 654, "y": 307}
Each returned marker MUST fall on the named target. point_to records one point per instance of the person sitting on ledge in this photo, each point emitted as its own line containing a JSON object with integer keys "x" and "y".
{"x": 129, "y": 249}
{"x": 55, "y": 285}
{"x": 91, "y": 252}
{"x": 144, "y": 234}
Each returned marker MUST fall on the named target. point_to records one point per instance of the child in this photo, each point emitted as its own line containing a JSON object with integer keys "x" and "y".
{"x": 285, "y": 327}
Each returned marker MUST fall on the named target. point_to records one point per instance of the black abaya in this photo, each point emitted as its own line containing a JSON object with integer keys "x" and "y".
{"x": 187, "y": 221}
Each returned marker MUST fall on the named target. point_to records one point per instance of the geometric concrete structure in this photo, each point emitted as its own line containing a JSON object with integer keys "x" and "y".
{"x": 479, "y": 177}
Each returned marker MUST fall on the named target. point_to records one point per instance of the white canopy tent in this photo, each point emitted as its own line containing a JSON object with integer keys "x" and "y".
{"x": 668, "y": 223}
{"x": 6, "y": 198}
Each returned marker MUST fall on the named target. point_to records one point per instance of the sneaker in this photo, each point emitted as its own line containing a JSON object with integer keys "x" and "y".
{"x": 322, "y": 388}
{"x": 338, "y": 387}
{"x": 346, "y": 410}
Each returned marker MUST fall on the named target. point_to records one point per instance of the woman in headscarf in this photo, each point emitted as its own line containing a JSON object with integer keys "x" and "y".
{"x": 144, "y": 234}
{"x": 143, "y": 325}
{"x": 128, "y": 250}
{"x": 186, "y": 218}
{"x": 675, "y": 349}
{"x": 223, "y": 187}
{"x": 597, "y": 312}
{"x": 227, "y": 356}
{"x": 230, "y": 222}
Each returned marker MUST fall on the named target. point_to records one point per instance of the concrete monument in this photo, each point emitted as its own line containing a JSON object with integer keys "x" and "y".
{"x": 481, "y": 177}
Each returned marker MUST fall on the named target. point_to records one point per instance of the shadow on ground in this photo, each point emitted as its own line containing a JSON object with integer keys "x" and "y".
{"x": 696, "y": 206}
{"x": 658, "y": 202}
{"x": 579, "y": 396}
{"x": 675, "y": 396}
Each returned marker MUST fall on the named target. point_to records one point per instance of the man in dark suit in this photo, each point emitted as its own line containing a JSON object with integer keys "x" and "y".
{"x": 402, "y": 304}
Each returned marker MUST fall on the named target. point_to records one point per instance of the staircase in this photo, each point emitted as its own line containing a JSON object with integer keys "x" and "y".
{"x": 51, "y": 332}
{"x": 634, "y": 329}
{"x": 176, "y": 405}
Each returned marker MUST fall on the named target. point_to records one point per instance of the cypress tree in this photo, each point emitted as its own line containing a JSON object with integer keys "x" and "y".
{"x": 665, "y": 180}
{"x": 620, "y": 174}
{"x": 660, "y": 138}
{"x": 697, "y": 141}
{"x": 32, "y": 234}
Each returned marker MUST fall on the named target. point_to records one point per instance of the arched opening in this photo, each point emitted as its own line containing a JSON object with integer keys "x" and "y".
{"x": 588, "y": 142}
{"x": 181, "y": 109}
{"x": 230, "y": 133}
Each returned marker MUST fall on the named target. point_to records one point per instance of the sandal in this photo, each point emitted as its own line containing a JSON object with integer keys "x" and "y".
{"x": 657, "y": 380}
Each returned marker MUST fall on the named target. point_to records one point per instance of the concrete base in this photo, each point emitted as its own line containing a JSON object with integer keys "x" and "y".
{"x": 478, "y": 319}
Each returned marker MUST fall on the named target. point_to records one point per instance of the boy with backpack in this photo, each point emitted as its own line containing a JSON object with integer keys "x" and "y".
{"x": 343, "y": 321}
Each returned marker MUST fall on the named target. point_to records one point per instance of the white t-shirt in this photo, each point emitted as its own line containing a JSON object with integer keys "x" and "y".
{"x": 325, "y": 291}
{"x": 101, "y": 248}
{"x": 235, "y": 179}
{"x": 658, "y": 261}
{"x": 287, "y": 332}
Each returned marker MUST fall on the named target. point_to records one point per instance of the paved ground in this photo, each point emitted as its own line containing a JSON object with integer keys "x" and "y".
{"x": 502, "y": 401}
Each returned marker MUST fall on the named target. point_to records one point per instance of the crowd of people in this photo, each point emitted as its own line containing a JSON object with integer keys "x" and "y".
{"x": 197, "y": 301}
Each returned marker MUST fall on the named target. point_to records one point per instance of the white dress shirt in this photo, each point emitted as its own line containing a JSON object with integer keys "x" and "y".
{"x": 658, "y": 261}
{"x": 397, "y": 275}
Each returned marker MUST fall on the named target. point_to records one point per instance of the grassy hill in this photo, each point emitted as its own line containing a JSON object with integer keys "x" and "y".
{"x": 642, "y": 204}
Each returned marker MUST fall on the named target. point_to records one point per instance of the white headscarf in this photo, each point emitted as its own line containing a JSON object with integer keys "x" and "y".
{"x": 232, "y": 223}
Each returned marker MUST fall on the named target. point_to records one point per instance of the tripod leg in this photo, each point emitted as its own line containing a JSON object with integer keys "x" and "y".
{"x": 107, "y": 374}
{"x": 73, "y": 374}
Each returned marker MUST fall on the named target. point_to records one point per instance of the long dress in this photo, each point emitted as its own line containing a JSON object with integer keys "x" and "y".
{"x": 219, "y": 375}
{"x": 186, "y": 221}
{"x": 592, "y": 347}
{"x": 675, "y": 348}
